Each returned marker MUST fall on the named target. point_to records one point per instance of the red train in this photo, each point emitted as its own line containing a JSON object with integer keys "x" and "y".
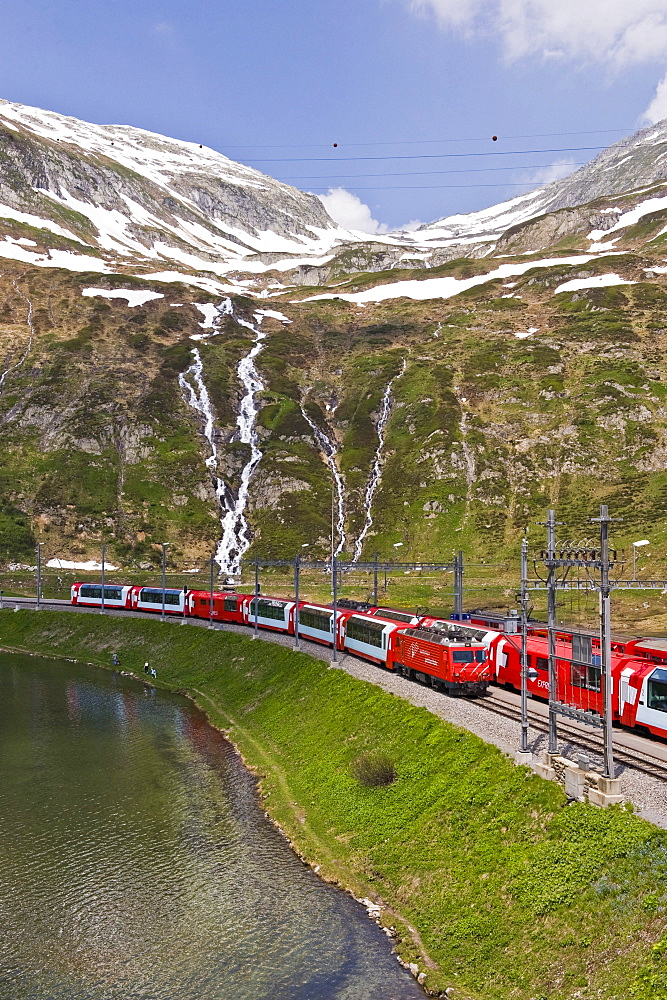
{"x": 638, "y": 668}
{"x": 449, "y": 658}
{"x": 639, "y": 687}
{"x": 461, "y": 657}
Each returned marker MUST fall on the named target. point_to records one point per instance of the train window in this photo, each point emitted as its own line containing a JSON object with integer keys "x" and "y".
{"x": 172, "y": 597}
{"x": 205, "y": 601}
{"x": 541, "y": 662}
{"x": 113, "y": 593}
{"x": 315, "y": 619}
{"x": 268, "y": 609}
{"x": 396, "y": 616}
{"x": 582, "y": 646}
{"x": 230, "y": 604}
{"x": 91, "y": 591}
{"x": 463, "y": 656}
{"x": 583, "y": 675}
{"x": 480, "y": 655}
{"x": 657, "y": 691}
{"x": 364, "y": 631}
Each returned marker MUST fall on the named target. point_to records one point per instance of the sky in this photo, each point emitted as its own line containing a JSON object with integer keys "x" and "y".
{"x": 385, "y": 108}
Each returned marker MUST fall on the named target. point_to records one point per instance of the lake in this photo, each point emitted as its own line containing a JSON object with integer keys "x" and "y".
{"x": 136, "y": 860}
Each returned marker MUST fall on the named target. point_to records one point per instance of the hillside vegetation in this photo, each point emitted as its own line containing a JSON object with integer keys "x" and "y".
{"x": 487, "y": 428}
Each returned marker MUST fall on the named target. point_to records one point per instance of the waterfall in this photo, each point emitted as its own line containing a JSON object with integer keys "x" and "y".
{"x": 235, "y": 540}
{"x": 18, "y": 363}
{"x": 378, "y": 462}
{"x": 329, "y": 449}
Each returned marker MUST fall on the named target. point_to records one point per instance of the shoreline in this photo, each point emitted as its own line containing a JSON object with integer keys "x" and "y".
{"x": 415, "y": 854}
{"x": 375, "y": 908}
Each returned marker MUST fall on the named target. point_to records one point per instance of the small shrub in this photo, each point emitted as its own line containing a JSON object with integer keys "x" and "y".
{"x": 374, "y": 770}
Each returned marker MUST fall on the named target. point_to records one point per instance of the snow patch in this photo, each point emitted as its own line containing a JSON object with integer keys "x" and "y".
{"x": 38, "y": 223}
{"x": 209, "y": 311}
{"x": 631, "y": 217}
{"x": 55, "y": 258}
{"x": 90, "y": 565}
{"x": 446, "y": 288}
{"x": 271, "y": 314}
{"x": 598, "y": 281}
{"x": 135, "y": 297}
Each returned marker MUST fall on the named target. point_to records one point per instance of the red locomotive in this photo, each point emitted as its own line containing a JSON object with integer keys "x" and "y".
{"x": 447, "y": 660}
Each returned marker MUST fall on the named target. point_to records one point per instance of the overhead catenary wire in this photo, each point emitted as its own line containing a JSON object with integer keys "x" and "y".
{"x": 431, "y": 173}
{"x": 424, "y": 142}
{"x": 424, "y": 173}
{"x": 428, "y": 156}
{"x": 435, "y": 187}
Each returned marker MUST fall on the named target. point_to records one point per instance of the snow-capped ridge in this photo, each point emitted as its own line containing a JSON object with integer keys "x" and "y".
{"x": 628, "y": 166}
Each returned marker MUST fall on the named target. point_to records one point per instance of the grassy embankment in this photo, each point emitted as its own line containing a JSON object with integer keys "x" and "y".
{"x": 511, "y": 893}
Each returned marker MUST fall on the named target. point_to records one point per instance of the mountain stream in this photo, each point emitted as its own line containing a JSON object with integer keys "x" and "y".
{"x": 329, "y": 448}
{"x": 378, "y": 462}
{"x": 235, "y": 540}
{"x": 17, "y": 364}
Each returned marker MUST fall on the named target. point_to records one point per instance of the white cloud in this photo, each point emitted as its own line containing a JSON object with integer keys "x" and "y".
{"x": 350, "y": 212}
{"x": 409, "y": 227}
{"x": 657, "y": 109}
{"x": 548, "y": 173}
{"x": 618, "y": 33}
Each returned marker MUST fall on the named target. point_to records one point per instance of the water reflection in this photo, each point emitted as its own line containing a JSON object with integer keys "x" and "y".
{"x": 135, "y": 861}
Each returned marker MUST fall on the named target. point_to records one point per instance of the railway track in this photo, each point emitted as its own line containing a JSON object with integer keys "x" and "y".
{"x": 630, "y": 750}
{"x": 639, "y": 758}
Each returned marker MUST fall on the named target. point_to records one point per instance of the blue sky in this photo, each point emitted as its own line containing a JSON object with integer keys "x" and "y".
{"x": 396, "y": 83}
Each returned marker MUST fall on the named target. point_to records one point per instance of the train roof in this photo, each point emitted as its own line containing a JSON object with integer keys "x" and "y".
{"x": 649, "y": 644}
{"x": 394, "y": 615}
{"x": 442, "y": 637}
{"x": 376, "y": 619}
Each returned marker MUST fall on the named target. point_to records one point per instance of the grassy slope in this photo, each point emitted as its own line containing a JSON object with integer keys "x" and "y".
{"x": 513, "y": 894}
{"x": 487, "y": 430}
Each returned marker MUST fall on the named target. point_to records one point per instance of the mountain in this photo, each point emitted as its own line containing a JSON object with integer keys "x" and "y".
{"x": 192, "y": 352}
{"x": 633, "y": 164}
{"x": 141, "y": 200}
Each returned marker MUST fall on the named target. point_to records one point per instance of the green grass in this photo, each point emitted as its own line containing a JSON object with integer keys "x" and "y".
{"x": 511, "y": 892}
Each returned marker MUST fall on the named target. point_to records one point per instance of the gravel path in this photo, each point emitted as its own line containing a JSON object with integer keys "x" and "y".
{"x": 647, "y": 794}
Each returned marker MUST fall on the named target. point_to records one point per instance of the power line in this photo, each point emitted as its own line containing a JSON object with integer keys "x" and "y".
{"x": 436, "y": 187}
{"x": 424, "y": 142}
{"x": 420, "y": 173}
{"x": 427, "y": 156}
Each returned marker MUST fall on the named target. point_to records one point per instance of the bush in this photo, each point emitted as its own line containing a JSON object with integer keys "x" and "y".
{"x": 374, "y": 770}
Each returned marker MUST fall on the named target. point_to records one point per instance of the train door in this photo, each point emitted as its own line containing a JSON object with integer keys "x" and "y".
{"x": 627, "y": 695}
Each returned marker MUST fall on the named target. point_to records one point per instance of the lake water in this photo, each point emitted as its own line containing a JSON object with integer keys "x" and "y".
{"x": 136, "y": 862}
